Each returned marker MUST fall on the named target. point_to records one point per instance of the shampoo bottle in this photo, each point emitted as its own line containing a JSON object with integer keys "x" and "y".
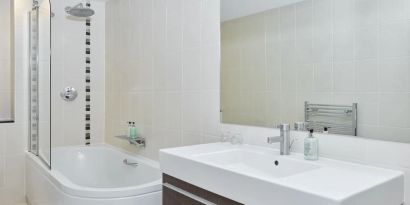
{"x": 311, "y": 147}
{"x": 129, "y": 129}
{"x": 133, "y": 131}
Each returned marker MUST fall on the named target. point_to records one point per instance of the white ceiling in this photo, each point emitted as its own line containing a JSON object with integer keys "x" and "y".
{"x": 232, "y": 9}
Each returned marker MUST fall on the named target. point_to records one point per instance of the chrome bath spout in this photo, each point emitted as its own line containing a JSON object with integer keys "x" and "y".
{"x": 133, "y": 164}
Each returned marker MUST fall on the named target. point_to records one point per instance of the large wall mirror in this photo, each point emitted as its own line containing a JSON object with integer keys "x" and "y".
{"x": 279, "y": 54}
{"x": 6, "y": 61}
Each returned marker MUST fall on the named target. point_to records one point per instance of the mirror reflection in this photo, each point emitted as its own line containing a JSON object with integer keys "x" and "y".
{"x": 277, "y": 55}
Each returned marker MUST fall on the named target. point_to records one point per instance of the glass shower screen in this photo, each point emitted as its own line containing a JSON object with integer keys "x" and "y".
{"x": 40, "y": 70}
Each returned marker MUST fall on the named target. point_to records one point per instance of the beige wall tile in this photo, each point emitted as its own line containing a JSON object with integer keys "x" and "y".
{"x": 176, "y": 91}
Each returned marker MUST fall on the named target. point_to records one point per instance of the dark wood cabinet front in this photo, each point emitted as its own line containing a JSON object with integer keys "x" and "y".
{"x": 173, "y": 197}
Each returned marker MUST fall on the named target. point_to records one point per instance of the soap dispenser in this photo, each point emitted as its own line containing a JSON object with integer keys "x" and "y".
{"x": 133, "y": 131}
{"x": 129, "y": 127}
{"x": 311, "y": 147}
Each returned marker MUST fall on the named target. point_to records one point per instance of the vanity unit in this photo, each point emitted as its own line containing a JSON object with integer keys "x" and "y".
{"x": 225, "y": 174}
{"x": 177, "y": 192}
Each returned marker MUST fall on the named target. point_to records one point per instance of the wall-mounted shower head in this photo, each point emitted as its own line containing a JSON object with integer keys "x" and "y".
{"x": 79, "y": 11}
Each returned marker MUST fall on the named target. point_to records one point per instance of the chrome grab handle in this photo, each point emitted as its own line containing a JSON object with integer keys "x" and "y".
{"x": 133, "y": 164}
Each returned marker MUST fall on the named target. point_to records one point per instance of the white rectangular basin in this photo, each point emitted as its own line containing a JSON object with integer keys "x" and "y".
{"x": 256, "y": 175}
{"x": 257, "y": 164}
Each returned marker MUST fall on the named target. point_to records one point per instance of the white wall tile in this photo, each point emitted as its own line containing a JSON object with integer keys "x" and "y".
{"x": 392, "y": 109}
{"x": 273, "y": 108}
{"x": 191, "y": 108}
{"x": 395, "y": 73}
{"x": 174, "y": 111}
{"x": 322, "y": 48}
{"x": 344, "y": 45}
{"x": 366, "y": 42}
{"x": 288, "y": 50}
{"x": 159, "y": 17}
{"x": 344, "y": 77}
{"x": 192, "y": 69}
{"x": 305, "y": 81}
{"x": 323, "y": 78}
{"x": 367, "y": 76}
{"x": 289, "y": 106}
{"x": 394, "y": 38}
{"x": 191, "y": 23}
{"x": 210, "y": 22}
{"x": 366, "y": 11}
{"x": 173, "y": 71}
{"x": 304, "y": 20}
{"x": 174, "y": 24}
{"x": 160, "y": 109}
{"x": 177, "y": 96}
{"x": 210, "y": 72}
{"x": 191, "y": 139}
{"x": 288, "y": 78}
{"x": 210, "y": 112}
{"x": 304, "y": 50}
{"x": 272, "y": 26}
{"x": 345, "y": 98}
{"x": 391, "y": 10}
{"x": 173, "y": 138}
{"x": 143, "y": 113}
{"x": 287, "y": 22}
{"x": 368, "y": 113}
{"x": 322, "y": 17}
{"x": 344, "y": 16}
{"x": 16, "y": 140}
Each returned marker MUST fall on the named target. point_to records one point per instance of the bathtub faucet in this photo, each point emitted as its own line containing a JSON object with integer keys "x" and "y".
{"x": 133, "y": 164}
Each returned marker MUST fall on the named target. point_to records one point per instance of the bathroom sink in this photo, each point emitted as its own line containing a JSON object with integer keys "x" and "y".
{"x": 257, "y": 175}
{"x": 257, "y": 164}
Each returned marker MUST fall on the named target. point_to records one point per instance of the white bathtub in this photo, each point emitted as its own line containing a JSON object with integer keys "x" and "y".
{"x": 92, "y": 175}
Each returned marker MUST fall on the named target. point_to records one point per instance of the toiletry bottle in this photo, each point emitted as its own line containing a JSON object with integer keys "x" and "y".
{"x": 133, "y": 131}
{"x": 129, "y": 129}
{"x": 325, "y": 130}
{"x": 311, "y": 147}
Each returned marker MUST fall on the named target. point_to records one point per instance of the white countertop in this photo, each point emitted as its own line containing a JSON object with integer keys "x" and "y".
{"x": 329, "y": 182}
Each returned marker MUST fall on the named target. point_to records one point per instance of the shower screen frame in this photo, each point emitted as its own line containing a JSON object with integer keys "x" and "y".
{"x": 34, "y": 80}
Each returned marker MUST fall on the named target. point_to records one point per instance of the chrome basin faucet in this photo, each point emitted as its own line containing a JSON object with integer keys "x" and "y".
{"x": 283, "y": 139}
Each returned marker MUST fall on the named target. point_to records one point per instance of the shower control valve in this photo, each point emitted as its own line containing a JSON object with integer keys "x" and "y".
{"x": 69, "y": 94}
